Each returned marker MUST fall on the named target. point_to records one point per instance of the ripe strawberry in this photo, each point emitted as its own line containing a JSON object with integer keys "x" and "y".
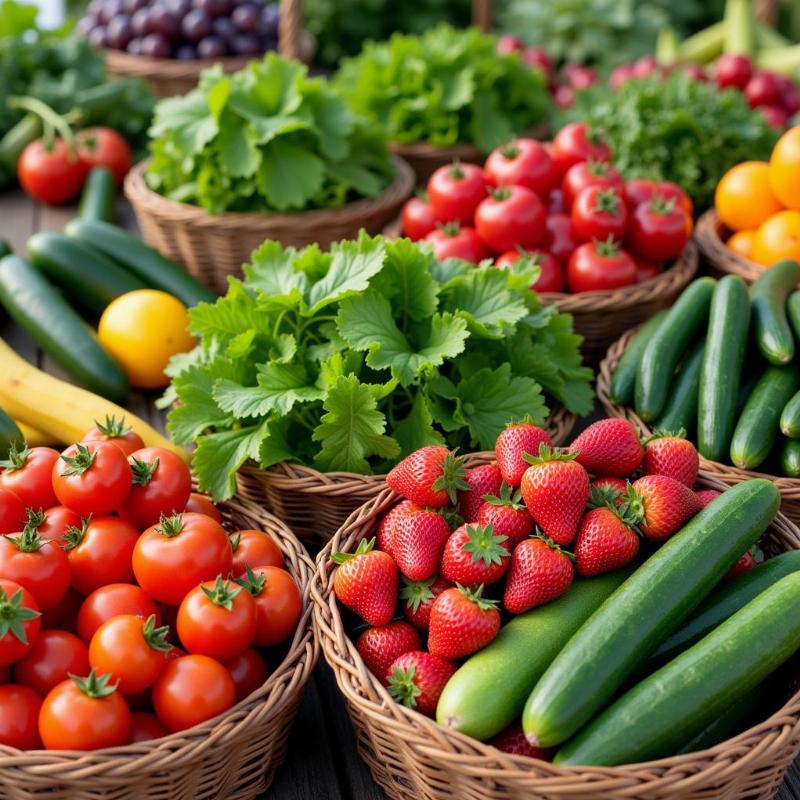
{"x": 540, "y": 572}
{"x": 512, "y": 444}
{"x": 612, "y": 489}
{"x": 379, "y": 647}
{"x": 419, "y": 597}
{"x": 417, "y": 679}
{"x": 673, "y": 455}
{"x": 663, "y": 504}
{"x": 430, "y": 476}
{"x": 555, "y": 489}
{"x": 609, "y": 447}
{"x": 705, "y": 496}
{"x": 462, "y": 621}
{"x": 386, "y": 528}
{"x": 418, "y": 538}
{"x": 512, "y": 740}
{"x": 366, "y": 582}
{"x": 482, "y": 480}
{"x": 507, "y": 515}
{"x": 475, "y": 554}
{"x": 605, "y": 542}
{"x": 747, "y": 561}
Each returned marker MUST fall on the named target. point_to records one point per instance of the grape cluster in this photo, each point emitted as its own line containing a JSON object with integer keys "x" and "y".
{"x": 183, "y": 29}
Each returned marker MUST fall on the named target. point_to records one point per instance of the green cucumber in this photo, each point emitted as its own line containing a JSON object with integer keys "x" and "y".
{"x": 144, "y": 262}
{"x": 489, "y": 690}
{"x": 99, "y": 195}
{"x": 670, "y": 707}
{"x": 685, "y": 322}
{"x": 793, "y": 311}
{"x": 768, "y": 295}
{"x": 87, "y": 277}
{"x": 680, "y": 410}
{"x": 790, "y": 418}
{"x": 790, "y": 458}
{"x": 726, "y": 345}
{"x": 51, "y": 322}
{"x": 759, "y": 422}
{"x": 648, "y": 607}
{"x": 9, "y": 434}
{"x": 721, "y": 603}
{"x": 623, "y": 381}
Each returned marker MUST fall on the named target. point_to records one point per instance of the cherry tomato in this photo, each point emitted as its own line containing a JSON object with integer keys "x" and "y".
{"x": 659, "y": 230}
{"x": 454, "y": 192}
{"x": 55, "y": 655}
{"x": 560, "y": 239}
{"x": 145, "y": 727}
{"x": 100, "y": 552}
{"x": 589, "y": 173}
{"x": 12, "y": 512}
{"x": 84, "y": 714}
{"x": 600, "y": 265}
{"x": 457, "y": 241}
{"x": 668, "y": 190}
{"x": 28, "y": 473}
{"x": 41, "y": 566}
{"x": 104, "y": 147}
{"x": 278, "y": 602}
{"x": 64, "y": 616}
{"x": 203, "y": 504}
{"x": 217, "y": 619}
{"x": 92, "y": 478}
{"x": 551, "y": 276}
{"x": 191, "y": 690}
{"x": 249, "y": 672}
{"x": 5, "y": 675}
{"x": 511, "y": 216}
{"x": 638, "y": 191}
{"x": 642, "y": 191}
{"x": 19, "y": 622}
{"x": 173, "y": 557}
{"x": 646, "y": 271}
{"x": 113, "y": 601}
{"x": 53, "y": 523}
{"x": 19, "y": 717}
{"x": 51, "y": 173}
{"x": 523, "y": 162}
{"x": 417, "y": 218}
{"x": 115, "y": 431}
{"x": 599, "y": 213}
{"x": 254, "y": 547}
{"x": 576, "y": 142}
{"x": 161, "y": 486}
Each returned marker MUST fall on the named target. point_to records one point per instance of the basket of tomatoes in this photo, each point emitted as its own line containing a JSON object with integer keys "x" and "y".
{"x": 152, "y": 644}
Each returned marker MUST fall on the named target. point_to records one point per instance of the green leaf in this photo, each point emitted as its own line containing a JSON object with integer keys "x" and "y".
{"x": 277, "y": 445}
{"x": 490, "y": 127}
{"x": 417, "y": 430}
{"x": 197, "y": 410}
{"x": 238, "y": 151}
{"x": 187, "y": 119}
{"x": 289, "y": 175}
{"x": 406, "y": 280}
{"x": 16, "y": 18}
{"x": 272, "y": 271}
{"x": 230, "y": 315}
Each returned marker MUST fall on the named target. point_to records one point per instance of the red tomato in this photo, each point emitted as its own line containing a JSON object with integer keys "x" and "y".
{"x": 511, "y": 216}
{"x": 417, "y": 218}
{"x": 50, "y": 173}
{"x": 641, "y": 191}
{"x": 65, "y": 615}
{"x": 19, "y": 622}
{"x": 5, "y": 675}
{"x": 638, "y": 191}
{"x": 28, "y": 473}
{"x": 600, "y": 265}
{"x": 19, "y": 717}
{"x": 53, "y": 523}
{"x": 457, "y": 241}
{"x": 249, "y": 672}
{"x": 12, "y": 512}
{"x": 145, "y": 727}
{"x": 560, "y": 239}
{"x": 555, "y": 202}
{"x": 589, "y": 173}
{"x": 551, "y": 276}
{"x": 668, "y": 190}
{"x": 112, "y": 601}
{"x": 41, "y": 566}
{"x": 104, "y": 147}
{"x": 454, "y": 192}
{"x": 174, "y": 652}
{"x": 92, "y": 478}
{"x": 575, "y": 142}
{"x": 523, "y": 162}
{"x": 251, "y": 548}
{"x": 599, "y": 213}
{"x": 100, "y": 552}
{"x": 203, "y": 504}
{"x": 117, "y": 432}
{"x": 646, "y": 271}
{"x": 191, "y": 690}
{"x": 51, "y": 659}
{"x": 171, "y": 558}
{"x": 161, "y": 486}
{"x": 659, "y": 230}
{"x": 84, "y": 714}
{"x": 278, "y": 602}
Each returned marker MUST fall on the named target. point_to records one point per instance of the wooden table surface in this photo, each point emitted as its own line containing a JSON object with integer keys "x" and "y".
{"x": 323, "y": 763}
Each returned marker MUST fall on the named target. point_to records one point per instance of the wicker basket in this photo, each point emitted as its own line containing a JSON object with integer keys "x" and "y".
{"x": 315, "y": 504}
{"x": 412, "y": 757}
{"x": 711, "y": 234}
{"x": 233, "y": 756}
{"x": 214, "y": 246}
{"x": 729, "y": 475}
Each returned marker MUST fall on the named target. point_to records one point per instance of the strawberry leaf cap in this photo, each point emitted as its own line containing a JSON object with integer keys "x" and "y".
{"x": 506, "y": 498}
{"x": 485, "y": 545}
{"x": 662, "y": 434}
{"x": 364, "y": 546}
{"x": 549, "y": 454}
{"x": 542, "y": 536}
{"x": 632, "y": 510}
{"x": 415, "y": 593}
{"x": 403, "y": 687}
{"x": 600, "y": 496}
{"x": 451, "y": 517}
{"x": 453, "y": 478}
{"x": 475, "y": 595}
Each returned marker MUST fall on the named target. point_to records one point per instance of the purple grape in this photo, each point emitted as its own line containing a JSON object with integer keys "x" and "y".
{"x": 95, "y": 10}
{"x": 132, "y": 6}
{"x": 246, "y": 44}
{"x": 155, "y": 45}
{"x": 196, "y": 25}
{"x": 224, "y": 29}
{"x": 186, "y": 52}
{"x": 268, "y": 21}
{"x": 140, "y": 22}
{"x": 211, "y": 47}
{"x": 85, "y": 25}
{"x": 164, "y": 22}
{"x": 97, "y": 36}
{"x": 135, "y": 46}
{"x": 180, "y": 8}
{"x": 119, "y": 32}
{"x": 246, "y": 18}
{"x": 214, "y": 8}
{"x": 110, "y": 9}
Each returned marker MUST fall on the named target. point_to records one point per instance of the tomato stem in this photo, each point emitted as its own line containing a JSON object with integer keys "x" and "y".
{"x": 142, "y": 471}
{"x": 28, "y": 541}
{"x": 170, "y": 527}
{"x": 50, "y": 118}
{"x": 13, "y": 614}
{"x": 223, "y": 594}
{"x": 17, "y": 459}
{"x": 113, "y": 428}
{"x": 74, "y": 536}
{"x": 80, "y": 462}
{"x": 94, "y": 685}
{"x": 156, "y": 637}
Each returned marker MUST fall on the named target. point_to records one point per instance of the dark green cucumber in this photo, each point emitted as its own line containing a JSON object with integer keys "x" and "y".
{"x": 680, "y": 410}
{"x": 768, "y": 294}
{"x": 684, "y": 324}
{"x": 5, "y": 248}
{"x": 9, "y": 434}
{"x": 726, "y": 345}
{"x": 790, "y": 418}
{"x": 85, "y": 275}
{"x": 721, "y": 603}
{"x": 759, "y": 423}
{"x": 790, "y": 458}
{"x": 489, "y": 690}
{"x": 793, "y": 312}
{"x": 670, "y": 707}
{"x": 612, "y": 644}
{"x": 623, "y": 381}
{"x": 144, "y": 262}
{"x": 99, "y": 195}
{"x": 51, "y": 322}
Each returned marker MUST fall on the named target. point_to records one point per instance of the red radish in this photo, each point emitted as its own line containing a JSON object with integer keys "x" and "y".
{"x": 733, "y": 69}
{"x": 763, "y": 90}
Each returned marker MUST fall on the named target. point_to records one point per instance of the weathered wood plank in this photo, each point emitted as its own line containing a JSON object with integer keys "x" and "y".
{"x": 17, "y": 220}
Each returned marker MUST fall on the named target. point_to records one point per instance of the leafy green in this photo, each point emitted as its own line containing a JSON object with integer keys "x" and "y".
{"x": 267, "y": 138}
{"x": 444, "y": 87}
{"x": 349, "y": 359}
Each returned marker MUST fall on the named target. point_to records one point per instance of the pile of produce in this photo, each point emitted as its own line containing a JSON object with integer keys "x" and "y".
{"x": 596, "y": 577}
{"x": 562, "y": 207}
{"x": 345, "y": 360}
{"x": 128, "y": 611}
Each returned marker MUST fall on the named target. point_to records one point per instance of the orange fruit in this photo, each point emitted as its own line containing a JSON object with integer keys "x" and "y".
{"x": 777, "y": 238}
{"x": 784, "y": 169}
{"x": 741, "y": 243}
{"x": 743, "y": 198}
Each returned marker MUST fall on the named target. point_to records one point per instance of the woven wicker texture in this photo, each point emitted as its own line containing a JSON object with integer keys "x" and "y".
{"x": 413, "y": 758}
{"x": 214, "y": 246}
{"x": 710, "y": 235}
{"x": 788, "y": 487}
{"x": 315, "y": 504}
{"x": 233, "y": 756}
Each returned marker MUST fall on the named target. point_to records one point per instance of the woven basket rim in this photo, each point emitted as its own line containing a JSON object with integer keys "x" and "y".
{"x": 170, "y": 68}
{"x": 709, "y": 236}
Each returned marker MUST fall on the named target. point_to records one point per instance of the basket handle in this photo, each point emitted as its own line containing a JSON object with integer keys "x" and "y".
{"x": 482, "y": 14}
{"x": 290, "y": 28}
